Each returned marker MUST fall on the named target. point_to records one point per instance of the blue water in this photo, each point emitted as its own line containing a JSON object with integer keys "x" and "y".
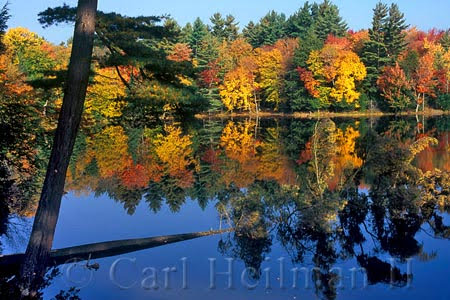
{"x": 88, "y": 219}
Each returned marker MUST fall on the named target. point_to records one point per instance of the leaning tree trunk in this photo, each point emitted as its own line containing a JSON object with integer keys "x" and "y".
{"x": 40, "y": 243}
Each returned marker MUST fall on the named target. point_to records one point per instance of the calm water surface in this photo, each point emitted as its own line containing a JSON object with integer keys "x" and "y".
{"x": 359, "y": 207}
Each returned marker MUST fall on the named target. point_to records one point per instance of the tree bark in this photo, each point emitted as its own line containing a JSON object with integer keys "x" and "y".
{"x": 423, "y": 102}
{"x": 108, "y": 249}
{"x": 41, "y": 239}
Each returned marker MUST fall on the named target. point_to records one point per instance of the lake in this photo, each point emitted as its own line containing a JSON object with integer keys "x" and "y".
{"x": 287, "y": 208}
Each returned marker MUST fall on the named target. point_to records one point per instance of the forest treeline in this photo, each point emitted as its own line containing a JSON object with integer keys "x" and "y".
{"x": 147, "y": 67}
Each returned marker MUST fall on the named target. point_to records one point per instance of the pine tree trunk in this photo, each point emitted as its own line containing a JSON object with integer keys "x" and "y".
{"x": 41, "y": 239}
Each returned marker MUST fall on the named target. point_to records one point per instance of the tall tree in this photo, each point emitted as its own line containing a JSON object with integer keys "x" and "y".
{"x": 41, "y": 239}
{"x": 309, "y": 42}
{"x": 375, "y": 53}
{"x": 186, "y": 33}
{"x": 394, "y": 33}
{"x": 395, "y": 87}
{"x": 328, "y": 21}
{"x": 251, "y": 33}
{"x": 224, "y": 28}
{"x": 231, "y": 30}
{"x": 423, "y": 80}
{"x": 300, "y": 22}
{"x": 218, "y": 25}
{"x": 4, "y": 17}
{"x": 272, "y": 27}
{"x": 199, "y": 31}
{"x": 332, "y": 75}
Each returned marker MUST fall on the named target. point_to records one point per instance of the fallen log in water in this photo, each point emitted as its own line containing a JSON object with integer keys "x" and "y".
{"x": 107, "y": 249}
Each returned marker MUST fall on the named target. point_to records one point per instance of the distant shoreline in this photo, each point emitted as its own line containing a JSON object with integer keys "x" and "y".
{"x": 319, "y": 114}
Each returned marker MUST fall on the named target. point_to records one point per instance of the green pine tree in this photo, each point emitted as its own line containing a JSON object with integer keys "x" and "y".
{"x": 218, "y": 25}
{"x": 309, "y": 42}
{"x": 300, "y": 22}
{"x": 374, "y": 54}
{"x": 273, "y": 28}
{"x": 294, "y": 91}
{"x": 251, "y": 33}
{"x": 394, "y": 33}
{"x": 186, "y": 33}
{"x": 231, "y": 29}
{"x": 199, "y": 32}
{"x": 328, "y": 21}
{"x": 4, "y": 17}
{"x": 207, "y": 51}
{"x": 445, "y": 40}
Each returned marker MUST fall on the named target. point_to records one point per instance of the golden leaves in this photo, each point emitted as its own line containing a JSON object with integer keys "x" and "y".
{"x": 333, "y": 75}
{"x": 174, "y": 150}
{"x": 106, "y": 95}
{"x": 237, "y": 90}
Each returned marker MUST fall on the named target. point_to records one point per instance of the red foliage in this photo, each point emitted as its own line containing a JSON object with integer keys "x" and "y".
{"x": 180, "y": 52}
{"x": 210, "y": 76}
{"x": 135, "y": 176}
{"x": 341, "y": 43}
{"x": 310, "y": 83}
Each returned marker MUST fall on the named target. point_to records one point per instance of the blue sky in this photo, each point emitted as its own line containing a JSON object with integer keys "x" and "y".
{"x": 358, "y": 13}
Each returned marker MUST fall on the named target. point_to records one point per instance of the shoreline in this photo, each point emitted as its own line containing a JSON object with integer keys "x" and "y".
{"x": 320, "y": 115}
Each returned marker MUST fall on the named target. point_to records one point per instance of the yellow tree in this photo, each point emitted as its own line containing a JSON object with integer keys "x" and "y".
{"x": 12, "y": 81}
{"x": 111, "y": 151}
{"x": 237, "y": 90}
{"x": 29, "y": 51}
{"x": 175, "y": 152}
{"x": 335, "y": 73}
{"x": 346, "y": 157}
{"x": 105, "y": 96}
{"x": 231, "y": 54}
{"x": 240, "y": 146}
{"x": 269, "y": 74}
{"x": 441, "y": 62}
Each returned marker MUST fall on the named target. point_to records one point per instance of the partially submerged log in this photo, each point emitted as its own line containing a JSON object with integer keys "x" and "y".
{"x": 107, "y": 249}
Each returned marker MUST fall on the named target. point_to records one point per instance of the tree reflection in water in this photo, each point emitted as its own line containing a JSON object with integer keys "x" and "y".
{"x": 330, "y": 190}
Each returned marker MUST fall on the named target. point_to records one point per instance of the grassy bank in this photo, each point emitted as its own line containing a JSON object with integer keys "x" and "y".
{"x": 318, "y": 114}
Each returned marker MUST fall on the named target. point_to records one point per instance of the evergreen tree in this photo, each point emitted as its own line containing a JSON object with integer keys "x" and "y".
{"x": 218, "y": 25}
{"x": 315, "y": 11}
{"x": 299, "y": 23}
{"x": 251, "y": 33}
{"x": 4, "y": 17}
{"x": 394, "y": 33}
{"x": 328, "y": 21}
{"x": 173, "y": 26}
{"x": 445, "y": 40}
{"x": 231, "y": 29}
{"x": 224, "y": 29}
{"x": 199, "y": 31}
{"x": 186, "y": 33}
{"x": 272, "y": 28}
{"x": 207, "y": 51}
{"x": 294, "y": 91}
{"x": 309, "y": 42}
{"x": 374, "y": 54}
{"x": 410, "y": 63}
